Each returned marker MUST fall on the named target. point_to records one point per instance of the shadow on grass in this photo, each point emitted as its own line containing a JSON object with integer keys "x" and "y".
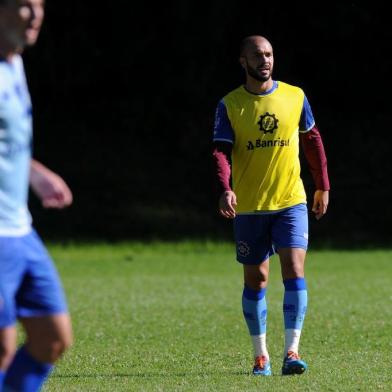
{"x": 152, "y": 374}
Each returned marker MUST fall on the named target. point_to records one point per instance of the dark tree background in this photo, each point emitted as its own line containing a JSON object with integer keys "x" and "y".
{"x": 124, "y": 97}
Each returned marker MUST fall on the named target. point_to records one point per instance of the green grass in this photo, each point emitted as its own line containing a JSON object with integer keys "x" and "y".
{"x": 167, "y": 317}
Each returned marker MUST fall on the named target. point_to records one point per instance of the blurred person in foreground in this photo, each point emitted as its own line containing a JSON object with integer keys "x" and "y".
{"x": 257, "y": 132}
{"x": 30, "y": 288}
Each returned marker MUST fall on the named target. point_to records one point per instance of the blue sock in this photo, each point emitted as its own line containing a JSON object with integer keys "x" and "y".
{"x": 2, "y": 375}
{"x": 26, "y": 374}
{"x": 254, "y": 307}
{"x": 294, "y": 309}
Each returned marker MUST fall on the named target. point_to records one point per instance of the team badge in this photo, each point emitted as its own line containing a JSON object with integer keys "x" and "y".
{"x": 268, "y": 123}
{"x": 243, "y": 248}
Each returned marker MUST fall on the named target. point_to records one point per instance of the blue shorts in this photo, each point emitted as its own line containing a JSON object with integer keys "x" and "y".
{"x": 29, "y": 283}
{"x": 257, "y": 236}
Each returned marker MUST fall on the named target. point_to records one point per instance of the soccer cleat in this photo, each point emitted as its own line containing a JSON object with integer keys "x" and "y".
{"x": 293, "y": 364}
{"x": 262, "y": 366}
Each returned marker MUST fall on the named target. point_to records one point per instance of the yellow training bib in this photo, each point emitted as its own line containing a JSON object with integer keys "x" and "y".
{"x": 265, "y": 158}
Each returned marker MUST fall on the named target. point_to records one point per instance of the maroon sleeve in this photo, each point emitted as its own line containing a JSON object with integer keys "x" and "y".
{"x": 221, "y": 160}
{"x": 313, "y": 147}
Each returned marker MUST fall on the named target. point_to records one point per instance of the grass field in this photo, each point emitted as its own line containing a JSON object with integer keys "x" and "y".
{"x": 167, "y": 317}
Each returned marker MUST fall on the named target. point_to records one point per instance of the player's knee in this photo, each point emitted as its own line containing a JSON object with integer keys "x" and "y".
{"x": 58, "y": 348}
{"x": 60, "y": 343}
{"x": 50, "y": 350}
{"x": 257, "y": 282}
{"x": 7, "y": 352}
{"x": 292, "y": 262}
{"x": 293, "y": 270}
{"x": 64, "y": 343}
{"x": 55, "y": 349}
{"x": 256, "y": 276}
{"x": 261, "y": 284}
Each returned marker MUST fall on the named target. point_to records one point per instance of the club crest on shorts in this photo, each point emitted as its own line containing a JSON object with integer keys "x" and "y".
{"x": 268, "y": 123}
{"x": 243, "y": 248}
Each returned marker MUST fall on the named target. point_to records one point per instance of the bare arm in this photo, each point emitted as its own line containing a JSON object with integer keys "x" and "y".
{"x": 221, "y": 157}
{"x": 315, "y": 155}
{"x": 49, "y": 187}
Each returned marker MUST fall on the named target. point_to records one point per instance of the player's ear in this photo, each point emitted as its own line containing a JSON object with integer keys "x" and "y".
{"x": 242, "y": 62}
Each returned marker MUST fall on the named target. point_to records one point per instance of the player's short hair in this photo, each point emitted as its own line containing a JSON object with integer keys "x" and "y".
{"x": 248, "y": 40}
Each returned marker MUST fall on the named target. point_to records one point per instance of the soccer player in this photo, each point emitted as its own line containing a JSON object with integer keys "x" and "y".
{"x": 30, "y": 289}
{"x": 257, "y": 132}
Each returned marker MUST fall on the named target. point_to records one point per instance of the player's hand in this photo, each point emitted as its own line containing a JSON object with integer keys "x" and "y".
{"x": 320, "y": 203}
{"x": 227, "y": 203}
{"x": 50, "y": 188}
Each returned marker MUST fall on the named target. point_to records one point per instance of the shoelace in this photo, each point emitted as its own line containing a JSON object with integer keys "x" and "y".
{"x": 293, "y": 355}
{"x": 260, "y": 362}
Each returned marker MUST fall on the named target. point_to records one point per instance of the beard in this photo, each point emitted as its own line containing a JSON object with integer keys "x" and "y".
{"x": 256, "y": 75}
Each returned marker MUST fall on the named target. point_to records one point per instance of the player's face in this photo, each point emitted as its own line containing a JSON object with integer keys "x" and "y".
{"x": 22, "y": 20}
{"x": 258, "y": 61}
{"x": 32, "y": 14}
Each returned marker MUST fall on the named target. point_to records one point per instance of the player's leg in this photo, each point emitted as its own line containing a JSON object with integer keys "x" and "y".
{"x": 7, "y": 350}
{"x": 47, "y": 338}
{"x": 254, "y": 307}
{"x": 290, "y": 232}
{"x": 42, "y": 309}
{"x": 11, "y": 273}
{"x": 295, "y": 295}
{"x": 253, "y": 252}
